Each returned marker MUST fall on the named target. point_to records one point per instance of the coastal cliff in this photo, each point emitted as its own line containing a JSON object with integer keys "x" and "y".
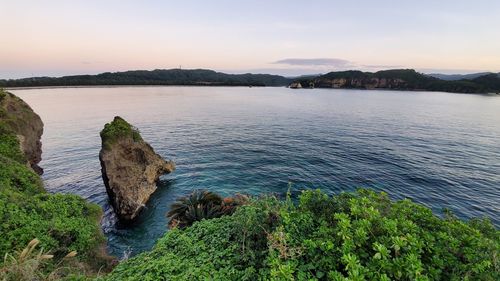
{"x": 130, "y": 168}
{"x": 17, "y": 117}
{"x": 65, "y": 225}
{"x": 399, "y": 79}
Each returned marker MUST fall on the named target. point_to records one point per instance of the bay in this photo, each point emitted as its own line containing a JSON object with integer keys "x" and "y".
{"x": 438, "y": 149}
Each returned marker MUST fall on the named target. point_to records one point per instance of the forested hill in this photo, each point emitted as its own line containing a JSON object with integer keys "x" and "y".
{"x": 154, "y": 77}
{"x": 395, "y": 79}
{"x": 402, "y": 79}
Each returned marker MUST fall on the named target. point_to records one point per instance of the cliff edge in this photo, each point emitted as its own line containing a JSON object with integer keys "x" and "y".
{"x": 18, "y": 118}
{"x": 59, "y": 223}
{"x": 130, "y": 168}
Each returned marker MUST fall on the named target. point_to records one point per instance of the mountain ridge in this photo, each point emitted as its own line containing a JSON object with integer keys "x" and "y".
{"x": 174, "y": 76}
{"x": 454, "y": 77}
{"x": 395, "y": 79}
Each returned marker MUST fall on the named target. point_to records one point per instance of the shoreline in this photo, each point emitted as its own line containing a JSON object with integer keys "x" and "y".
{"x": 134, "y": 86}
{"x": 239, "y": 86}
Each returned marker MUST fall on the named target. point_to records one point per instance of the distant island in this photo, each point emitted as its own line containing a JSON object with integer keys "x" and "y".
{"x": 395, "y": 79}
{"x": 188, "y": 77}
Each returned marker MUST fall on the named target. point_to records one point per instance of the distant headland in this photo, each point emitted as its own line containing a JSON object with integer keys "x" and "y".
{"x": 395, "y": 79}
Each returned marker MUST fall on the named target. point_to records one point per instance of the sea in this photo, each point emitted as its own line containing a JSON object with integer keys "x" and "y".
{"x": 438, "y": 149}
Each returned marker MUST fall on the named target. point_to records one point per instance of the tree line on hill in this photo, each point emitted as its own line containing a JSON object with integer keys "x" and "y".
{"x": 395, "y": 79}
{"x": 402, "y": 79}
{"x": 155, "y": 77}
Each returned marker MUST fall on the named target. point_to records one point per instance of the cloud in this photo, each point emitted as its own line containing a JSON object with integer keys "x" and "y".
{"x": 329, "y": 64}
{"x": 333, "y": 62}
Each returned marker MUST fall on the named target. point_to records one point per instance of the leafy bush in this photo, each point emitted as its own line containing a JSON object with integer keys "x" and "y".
{"x": 372, "y": 238}
{"x": 226, "y": 248}
{"x": 9, "y": 147}
{"x": 351, "y": 236}
{"x": 61, "y": 222}
{"x": 18, "y": 178}
{"x": 199, "y": 205}
{"x": 118, "y": 128}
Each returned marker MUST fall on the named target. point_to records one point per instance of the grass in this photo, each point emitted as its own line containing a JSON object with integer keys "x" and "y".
{"x": 31, "y": 264}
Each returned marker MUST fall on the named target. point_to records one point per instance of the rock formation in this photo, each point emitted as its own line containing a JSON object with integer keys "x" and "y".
{"x": 362, "y": 83}
{"x": 295, "y": 85}
{"x": 130, "y": 168}
{"x": 18, "y": 117}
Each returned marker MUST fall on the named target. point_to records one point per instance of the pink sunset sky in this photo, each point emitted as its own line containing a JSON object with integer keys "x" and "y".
{"x": 55, "y": 38}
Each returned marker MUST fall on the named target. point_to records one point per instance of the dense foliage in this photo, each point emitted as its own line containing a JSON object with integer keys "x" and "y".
{"x": 486, "y": 83}
{"x": 118, "y": 128}
{"x": 9, "y": 144}
{"x": 409, "y": 80}
{"x": 200, "y": 205}
{"x": 351, "y": 236}
{"x": 201, "y": 77}
{"x": 62, "y": 223}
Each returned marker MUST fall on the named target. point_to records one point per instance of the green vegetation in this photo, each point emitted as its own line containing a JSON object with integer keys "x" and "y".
{"x": 10, "y": 149}
{"x": 351, "y": 236}
{"x": 14, "y": 113}
{"x": 61, "y": 223}
{"x": 117, "y": 129}
{"x": 406, "y": 79}
{"x": 201, "y": 77}
{"x": 9, "y": 144}
{"x": 226, "y": 248}
{"x": 2, "y": 94}
{"x": 31, "y": 264}
{"x": 200, "y": 205}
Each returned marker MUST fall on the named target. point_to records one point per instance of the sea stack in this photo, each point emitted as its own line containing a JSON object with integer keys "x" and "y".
{"x": 130, "y": 168}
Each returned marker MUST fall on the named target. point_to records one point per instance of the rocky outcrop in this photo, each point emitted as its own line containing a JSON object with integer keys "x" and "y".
{"x": 362, "y": 83}
{"x": 395, "y": 79}
{"x": 130, "y": 168}
{"x": 18, "y": 117}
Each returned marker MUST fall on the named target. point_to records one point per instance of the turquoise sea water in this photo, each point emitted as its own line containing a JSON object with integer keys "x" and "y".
{"x": 439, "y": 149}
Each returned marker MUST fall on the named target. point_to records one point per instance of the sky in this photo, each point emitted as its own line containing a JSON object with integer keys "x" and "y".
{"x": 55, "y": 38}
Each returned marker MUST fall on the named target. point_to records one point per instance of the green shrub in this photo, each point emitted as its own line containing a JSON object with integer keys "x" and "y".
{"x": 376, "y": 239}
{"x": 61, "y": 222}
{"x": 9, "y": 144}
{"x": 202, "y": 204}
{"x": 351, "y": 236}
{"x": 226, "y": 248}
{"x": 9, "y": 147}
{"x": 117, "y": 129}
{"x": 18, "y": 178}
